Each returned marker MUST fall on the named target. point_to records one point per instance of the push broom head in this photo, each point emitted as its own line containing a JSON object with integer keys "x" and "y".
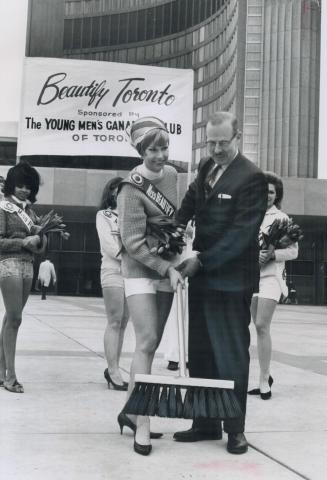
{"x": 181, "y": 397}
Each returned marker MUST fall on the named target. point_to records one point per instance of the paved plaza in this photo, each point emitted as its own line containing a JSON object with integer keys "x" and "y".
{"x": 65, "y": 425}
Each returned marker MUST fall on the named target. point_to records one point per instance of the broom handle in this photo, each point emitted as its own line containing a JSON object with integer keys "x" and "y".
{"x": 181, "y": 334}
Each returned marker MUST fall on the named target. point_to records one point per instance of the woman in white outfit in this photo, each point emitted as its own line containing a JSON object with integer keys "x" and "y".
{"x": 272, "y": 285}
{"x": 112, "y": 283}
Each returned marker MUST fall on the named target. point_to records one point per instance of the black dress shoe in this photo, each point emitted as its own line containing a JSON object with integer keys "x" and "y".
{"x": 142, "y": 449}
{"x": 116, "y": 386}
{"x": 256, "y": 391}
{"x": 172, "y": 365}
{"x": 266, "y": 395}
{"x": 237, "y": 443}
{"x": 196, "y": 435}
{"x": 125, "y": 421}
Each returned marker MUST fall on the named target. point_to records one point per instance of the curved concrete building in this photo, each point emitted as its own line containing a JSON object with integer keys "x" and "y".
{"x": 204, "y": 35}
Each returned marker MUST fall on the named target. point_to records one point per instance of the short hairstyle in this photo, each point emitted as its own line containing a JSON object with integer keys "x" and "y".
{"x": 219, "y": 117}
{"x": 108, "y": 199}
{"x": 275, "y": 180}
{"x": 157, "y": 136}
{"x": 22, "y": 174}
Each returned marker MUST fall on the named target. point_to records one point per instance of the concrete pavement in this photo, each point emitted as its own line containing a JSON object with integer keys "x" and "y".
{"x": 64, "y": 426}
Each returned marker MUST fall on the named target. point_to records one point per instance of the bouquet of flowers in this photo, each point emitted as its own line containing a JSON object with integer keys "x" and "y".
{"x": 281, "y": 234}
{"x": 165, "y": 235}
{"x": 50, "y": 223}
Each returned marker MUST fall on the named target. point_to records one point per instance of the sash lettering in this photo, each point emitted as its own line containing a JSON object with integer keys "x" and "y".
{"x": 12, "y": 208}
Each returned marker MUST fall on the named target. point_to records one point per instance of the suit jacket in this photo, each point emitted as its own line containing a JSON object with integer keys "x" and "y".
{"x": 227, "y": 224}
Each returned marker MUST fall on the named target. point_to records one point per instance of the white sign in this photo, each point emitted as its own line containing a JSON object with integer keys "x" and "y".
{"x": 82, "y": 107}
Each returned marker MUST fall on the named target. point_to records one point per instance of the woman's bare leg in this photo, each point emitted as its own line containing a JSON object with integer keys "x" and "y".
{"x": 149, "y": 314}
{"x": 114, "y": 300}
{"x": 265, "y": 310}
{"x": 15, "y": 292}
{"x": 3, "y": 368}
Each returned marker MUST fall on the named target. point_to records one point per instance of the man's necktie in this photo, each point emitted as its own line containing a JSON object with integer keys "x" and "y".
{"x": 209, "y": 181}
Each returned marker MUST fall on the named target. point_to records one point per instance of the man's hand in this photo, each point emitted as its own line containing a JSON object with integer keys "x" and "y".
{"x": 189, "y": 267}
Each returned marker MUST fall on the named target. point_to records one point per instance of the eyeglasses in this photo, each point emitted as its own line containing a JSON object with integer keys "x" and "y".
{"x": 223, "y": 144}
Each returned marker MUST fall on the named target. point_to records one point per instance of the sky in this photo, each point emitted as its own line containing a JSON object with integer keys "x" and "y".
{"x": 13, "y": 17}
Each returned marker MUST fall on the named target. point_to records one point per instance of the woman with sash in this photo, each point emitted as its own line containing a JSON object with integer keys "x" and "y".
{"x": 150, "y": 280}
{"x": 18, "y": 243}
{"x": 112, "y": 283}
{"x": 272, "y": 283}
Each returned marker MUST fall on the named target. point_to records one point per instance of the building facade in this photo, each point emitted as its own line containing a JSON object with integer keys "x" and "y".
{"x": 282, "y": 73}
{"x": 256, "y": 58}
{"x": 205, "y": 35}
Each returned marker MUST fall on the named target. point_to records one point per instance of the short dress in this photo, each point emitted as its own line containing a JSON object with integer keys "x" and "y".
{"x": 110, "y": 246}
{"x": 272, "y": 278}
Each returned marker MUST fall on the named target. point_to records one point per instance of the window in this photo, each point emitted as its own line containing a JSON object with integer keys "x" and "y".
{"x": 166, "y": 19}
{"x": 86, "y": 37}
{"x": 159, "y": 21}
{"x": 123, "y": 28}
{"x": 114, "y": 29}
{"x": 132, "y": 27}
{"x": 141, "y": 27}
{"x": 104, "y": 26}
{"x": 68, "y": 33}
{"x": 254, "y": 20}
{"x": 77, "y": 31}
{"x": 254, "y": 10}
{"x": 95, "y": 40}
{"x": 150, "y": 23}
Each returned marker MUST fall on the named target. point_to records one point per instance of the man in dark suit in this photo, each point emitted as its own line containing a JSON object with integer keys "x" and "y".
{"x": 228, "y": 200}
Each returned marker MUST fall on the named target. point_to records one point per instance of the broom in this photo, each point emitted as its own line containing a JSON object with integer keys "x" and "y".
{"x": 182, "y": 396}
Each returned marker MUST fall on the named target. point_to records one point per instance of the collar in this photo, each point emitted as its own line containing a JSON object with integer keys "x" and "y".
{"x": 19, "y": 202}
{"x": 272, "y": 210}
{"x": 226, "y": 165}
{"x": 143, "y": 170}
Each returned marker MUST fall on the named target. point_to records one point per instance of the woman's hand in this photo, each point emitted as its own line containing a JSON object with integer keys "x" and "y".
{"x": 32, "y": 243}
{"x": 266, "y": 255}
{"x": 175, "y": 278}
{"x": 36, "y": 229}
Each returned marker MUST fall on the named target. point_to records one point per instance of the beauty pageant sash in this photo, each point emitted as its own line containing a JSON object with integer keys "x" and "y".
{"x": 152, "y": 192}
{"x": 12, "y": 208}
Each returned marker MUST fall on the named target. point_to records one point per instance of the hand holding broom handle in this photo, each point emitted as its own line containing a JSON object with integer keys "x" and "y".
{"x": 180, "y": 314}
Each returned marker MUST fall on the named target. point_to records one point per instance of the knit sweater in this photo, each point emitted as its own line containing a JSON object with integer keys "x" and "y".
{"x": 12, "y": 232}
{"x": 134, "y": 208}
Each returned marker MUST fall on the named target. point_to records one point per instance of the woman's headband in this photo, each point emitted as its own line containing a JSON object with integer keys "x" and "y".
{"x": 141, "y": 127}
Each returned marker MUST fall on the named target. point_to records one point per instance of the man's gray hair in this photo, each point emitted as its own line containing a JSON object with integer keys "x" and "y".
{"x": 219, "y": 117}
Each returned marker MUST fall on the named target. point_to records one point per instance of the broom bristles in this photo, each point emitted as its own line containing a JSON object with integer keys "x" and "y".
{"x": 172, "y": 407}
{"x": 212, "y": 405}
{"x": 163, "y": 403}
{"x": 154, "y": 401}
{"x": 188, "y": 403}
{"x": 167, "y": 401}
{"x": 203, "y": 411}
{"x": 179, "y": 402}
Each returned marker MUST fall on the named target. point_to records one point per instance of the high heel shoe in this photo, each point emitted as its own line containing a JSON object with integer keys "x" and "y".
{"x": 256, "y": 391}
{"x": 116, "y": 386}
{"x": 142, "y": 449}
{"x": 125, "y": 421}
